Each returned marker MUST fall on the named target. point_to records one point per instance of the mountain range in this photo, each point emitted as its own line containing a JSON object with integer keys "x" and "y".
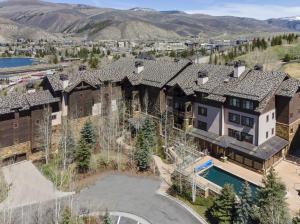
{"x": 52, "y": 21}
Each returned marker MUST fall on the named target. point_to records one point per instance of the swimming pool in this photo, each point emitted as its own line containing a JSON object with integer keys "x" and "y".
{"x": 222, "y": 177}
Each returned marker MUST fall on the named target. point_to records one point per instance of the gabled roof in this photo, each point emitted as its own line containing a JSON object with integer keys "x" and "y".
{"x": 156, "y": 73}
{"x": 257, "y": 85}
{"x": 216, "y": 74}
{"x": 89, "y": 77}
{"x": 23, "y": 102}
{"x": 289, "y": 87}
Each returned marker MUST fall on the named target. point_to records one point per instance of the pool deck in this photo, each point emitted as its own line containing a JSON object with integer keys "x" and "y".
{"x": 287, "y": 171}
{"x": 235, "y": 169}
{"x": 290, "y": 175}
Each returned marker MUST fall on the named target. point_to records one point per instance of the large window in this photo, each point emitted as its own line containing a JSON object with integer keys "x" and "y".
{"x": 202, "y": 125}
{"x": 241, "y": 103}
{"x": 235, "y": 118}
{"x": 247, "y": 121}
{"x": 248, "y": 105}
{"x": 234, "y": 102}
{"x": 247, "y": 138}
{"x": 234, "y": 134}
{"x": 202, "y": 111}
{"x": 241, "y": 136}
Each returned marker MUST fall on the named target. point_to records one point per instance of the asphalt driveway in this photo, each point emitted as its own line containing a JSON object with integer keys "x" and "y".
{"x": 134, "y": 195}
{"x": 28, "y": 186}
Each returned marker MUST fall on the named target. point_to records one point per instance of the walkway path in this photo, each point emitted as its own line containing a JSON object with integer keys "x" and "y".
{"x": 165, "y": 171}
{"x": 28, "y": 186}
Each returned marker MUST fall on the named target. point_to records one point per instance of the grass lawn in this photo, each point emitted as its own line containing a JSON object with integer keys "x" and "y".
{"x": 271, "y": 57}
{"x": 292, "y": 69}
{"x": 197, "y": 208}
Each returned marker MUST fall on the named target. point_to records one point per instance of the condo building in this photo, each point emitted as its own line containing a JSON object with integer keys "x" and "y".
{"x": 248, "y": 116}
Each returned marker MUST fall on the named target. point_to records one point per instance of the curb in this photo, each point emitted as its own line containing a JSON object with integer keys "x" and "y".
{"x": 190, "y": 210}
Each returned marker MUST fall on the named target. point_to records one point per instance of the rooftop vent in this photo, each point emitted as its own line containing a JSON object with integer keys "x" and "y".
{"x": 202, "y": 77}
{"x": 139, "y": 67}
{"x": 239, "y": 68}
{"x": 226, "y": 80}
{"x": 30, "y": 87}
{"x": 259, "y": 67}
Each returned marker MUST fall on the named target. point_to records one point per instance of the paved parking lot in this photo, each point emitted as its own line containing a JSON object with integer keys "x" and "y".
{"x": 135, "y": 195}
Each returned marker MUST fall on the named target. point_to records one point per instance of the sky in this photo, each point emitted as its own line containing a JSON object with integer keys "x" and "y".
{"x": 260, "y": 9}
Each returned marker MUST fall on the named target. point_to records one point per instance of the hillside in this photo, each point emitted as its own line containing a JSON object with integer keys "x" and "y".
{"x": 10, "y": 30}
{"x": 101, "y": 23}
{"x": 271, "y": 58}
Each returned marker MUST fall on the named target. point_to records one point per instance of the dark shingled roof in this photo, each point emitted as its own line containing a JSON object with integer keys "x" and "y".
{"x": 289, "y": 87}
{"x": 40, "y": 98}
{"x": 187, "y": 79}
{"x": 263, "y": 151}
{"x": 90, "y": 77}
{"x": 23, "y": 102}
{"x": 257, "y": 85}
{"x": 156, "y": 73}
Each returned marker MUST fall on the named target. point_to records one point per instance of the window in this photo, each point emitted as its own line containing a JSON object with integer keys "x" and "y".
{"x": 234, "y": 134}
{"x": 37, "y": 121}
{"x": 53, "y": 117}
{"x": 273, "y": 131}
{"x": 202, "y": 125}
{"x": 273, "y": 115}
{"x": 291, "y": 115}
{"x": 55, "y": 107}
{"x": 248, "y": 105}
{"x": 267, "y": 118}
{"x": 247, "y": 121}
{"x": 234, "y": 102}
{"x": 189, "y": 108}
{"x": 202, "y": 111}
{"x": 247, "y": 138}
{"x": 267, "y": 134}
{"x": 235, "y": 118}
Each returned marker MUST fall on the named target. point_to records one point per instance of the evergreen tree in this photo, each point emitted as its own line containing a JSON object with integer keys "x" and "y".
{"x": 55, "y": 59}
{"x": 222, "y": 209}
{"x": 172, "y": 54}
{"x": 88, "y": 133}
{"x": 210, "y": 58}
{"x": 142, "y": 154}
{"x": 149, "y": 131}
{"x": 93, "y": 62}
{"x": 106, "y": 218}
{"x": 272, "y": 206}
{"x": 244, "y": 207}
{"x": 83, "y": 155}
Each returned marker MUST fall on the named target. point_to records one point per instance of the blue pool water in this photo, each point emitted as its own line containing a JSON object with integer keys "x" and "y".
{"x": 221, "y": 177}
{"x": 15, "y": 62}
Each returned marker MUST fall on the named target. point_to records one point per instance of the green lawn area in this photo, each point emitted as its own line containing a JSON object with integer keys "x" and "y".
{"x": 292, "y": 69}
{"x": 271, "y": 57}
{"x": 197, "y": 208}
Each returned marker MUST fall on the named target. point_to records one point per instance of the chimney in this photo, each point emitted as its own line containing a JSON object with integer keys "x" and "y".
{"x": 139, "y": 67}
{"x": 239, "y": 68}
{"x": 30, "y": 88}
{"x": 258, "y": 67}
{"x": 65, "y": 80}
{"x": 202, "y": 77}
